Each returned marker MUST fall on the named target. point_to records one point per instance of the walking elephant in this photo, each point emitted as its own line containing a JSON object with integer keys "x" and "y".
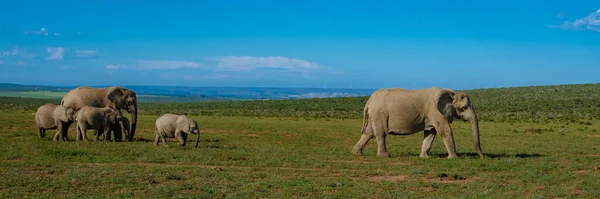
{"x": 101, "y": 119}
{"x": 52, "y": 116}
{"x": 179, "y": 126}
{"x": 115, "y": 97}
{"x": 397, "y": 111}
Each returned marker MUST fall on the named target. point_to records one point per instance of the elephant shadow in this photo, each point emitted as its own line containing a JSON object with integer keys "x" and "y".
{"x": 492, "y": 155}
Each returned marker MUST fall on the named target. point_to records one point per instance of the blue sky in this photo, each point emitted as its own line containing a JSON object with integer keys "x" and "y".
{"x": 342, "y": 44}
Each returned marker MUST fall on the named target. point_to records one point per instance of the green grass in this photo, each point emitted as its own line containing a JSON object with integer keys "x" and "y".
{"x": 540, "y": 142}
{"x": 34, "y": 94}
{"x": 247, "y": 157}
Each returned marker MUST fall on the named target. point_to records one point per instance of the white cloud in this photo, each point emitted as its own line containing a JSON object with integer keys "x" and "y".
{"x": 166, "y": 64}
{"x": 42, "y": 31}
{"x": 85, "y": 53}
{"x": 249, "y": 63}
{"x": 205, "y": 77}
{"x": 55, "y": 53}
{"x": 16, "y": 51}
{"x": 591, "y": 22}
{"x": 116, "y": 66}
{"x": 22, "y": 63}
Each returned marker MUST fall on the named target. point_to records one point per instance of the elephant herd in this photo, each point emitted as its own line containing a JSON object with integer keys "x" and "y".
{"x": 99, "y": 109}
{"x": 388, "y": 111}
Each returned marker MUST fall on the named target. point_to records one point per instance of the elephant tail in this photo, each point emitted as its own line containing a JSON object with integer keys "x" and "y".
{"x": 365, "y": 121}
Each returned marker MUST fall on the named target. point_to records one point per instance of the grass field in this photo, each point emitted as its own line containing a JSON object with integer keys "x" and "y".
{"x": 34, "y": 94}
{"x": 543, "y": 143}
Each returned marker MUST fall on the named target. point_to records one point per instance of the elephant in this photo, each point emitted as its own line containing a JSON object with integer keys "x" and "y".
{"x": 398, "y": 111}
{"x": 101, "y": 119}
{"x": 173, "y": 125}
{"x": 52, "y": 116}
{"x": 115, "y": 97}
{"x": 116, "y": 130}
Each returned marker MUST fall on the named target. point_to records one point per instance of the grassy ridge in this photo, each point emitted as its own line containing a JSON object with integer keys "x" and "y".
{"x": 531, "y": 104}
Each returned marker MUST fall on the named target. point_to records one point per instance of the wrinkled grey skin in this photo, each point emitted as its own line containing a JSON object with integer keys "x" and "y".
{"x": 100, "y": 119}
{"x": 115, "y": 97}
{"x": 53, "y": 116}
{"x": 397, "y": 111}
{"x": 179, "y": 126}
{"x": 117, "y": 132}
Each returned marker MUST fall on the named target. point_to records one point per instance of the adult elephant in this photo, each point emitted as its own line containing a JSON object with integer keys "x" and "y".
{"x": 397, "y": 111}
{"x": 115, "y": 96}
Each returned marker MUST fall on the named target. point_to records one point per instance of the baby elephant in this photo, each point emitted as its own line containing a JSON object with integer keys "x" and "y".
{"x": 101, "y": 119}
{"x": 117, "y": 132}
{"x": 53, "y": 116}
{"x": 172, "y": 125}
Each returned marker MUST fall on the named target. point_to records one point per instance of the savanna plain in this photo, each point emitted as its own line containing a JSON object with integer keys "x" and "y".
{"x": 539, "y": 142}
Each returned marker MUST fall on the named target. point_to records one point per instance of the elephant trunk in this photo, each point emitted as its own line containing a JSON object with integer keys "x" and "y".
{"x": 134, "y": 114}
{"x": 197, "y": 139}
{"x": 122, "y": 129}
{"x": 475, "y": 127}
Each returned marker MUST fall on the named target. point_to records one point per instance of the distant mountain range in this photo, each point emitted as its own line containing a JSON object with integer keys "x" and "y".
{"x": 209, "y": 93}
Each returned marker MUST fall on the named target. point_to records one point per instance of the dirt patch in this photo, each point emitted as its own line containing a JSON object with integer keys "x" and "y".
{"x": 331, "y": 191}
{"x": 389, "y": 178}
{"x": 440, "y": 179}
{"x": 448, "y": 179}
{"x": 581, "y": 171}
{"x": 253, "y": 135}
{"x": 348, "y": 161}
{"x": 593, "y": 135}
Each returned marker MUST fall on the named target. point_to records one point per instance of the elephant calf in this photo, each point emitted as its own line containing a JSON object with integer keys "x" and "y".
{"x": 53, "y": 116}
{"x": 172, "y": 125}
{"x": 118, "y": 132}
{"x": 101, "y": 119}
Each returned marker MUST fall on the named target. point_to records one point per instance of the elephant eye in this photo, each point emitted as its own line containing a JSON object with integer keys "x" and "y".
{"x": 465, "y": 108}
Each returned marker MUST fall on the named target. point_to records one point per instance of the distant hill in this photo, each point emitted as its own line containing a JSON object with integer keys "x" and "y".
{"x": 579, "y": 103}
{"x": 8, "y": 87}
{"x": 182, "y": 93}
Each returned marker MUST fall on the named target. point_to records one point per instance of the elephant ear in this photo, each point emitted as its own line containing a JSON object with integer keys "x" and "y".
{"x": 115, "y": 95}
{"x": 445, "y": 103}
{"x": 61, "y": 113}
{"x": 184, "y": 124}
{"x": 110, "y": 116}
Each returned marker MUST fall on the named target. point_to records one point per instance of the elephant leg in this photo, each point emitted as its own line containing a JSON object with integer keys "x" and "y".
{"x": 64, "y": 131}
{"x": 380, "y": 134}
{"x": 164, "y": 141}
{"x": 108, "y": 135}
{"x": 443, "y": 127}
{"x": 56, "y": 135}
{"x": 78, "y": 133}
{"x": 156, "y": 137}
{"x": 83, "y": 135}
{"x": 364, "y": 139}
{"x": 42, "y": 132}
{"x": 117, "y": 134}
{"x": 429, "y": 136}
{"x": 182, "y": 139}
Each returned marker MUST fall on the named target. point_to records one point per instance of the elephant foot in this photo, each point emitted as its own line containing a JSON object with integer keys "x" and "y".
{"x": 424, "y": 156}
{"x": 357, "y": 152}
{"x": 452, "y": 156}
{"x": 383, "y": 154}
